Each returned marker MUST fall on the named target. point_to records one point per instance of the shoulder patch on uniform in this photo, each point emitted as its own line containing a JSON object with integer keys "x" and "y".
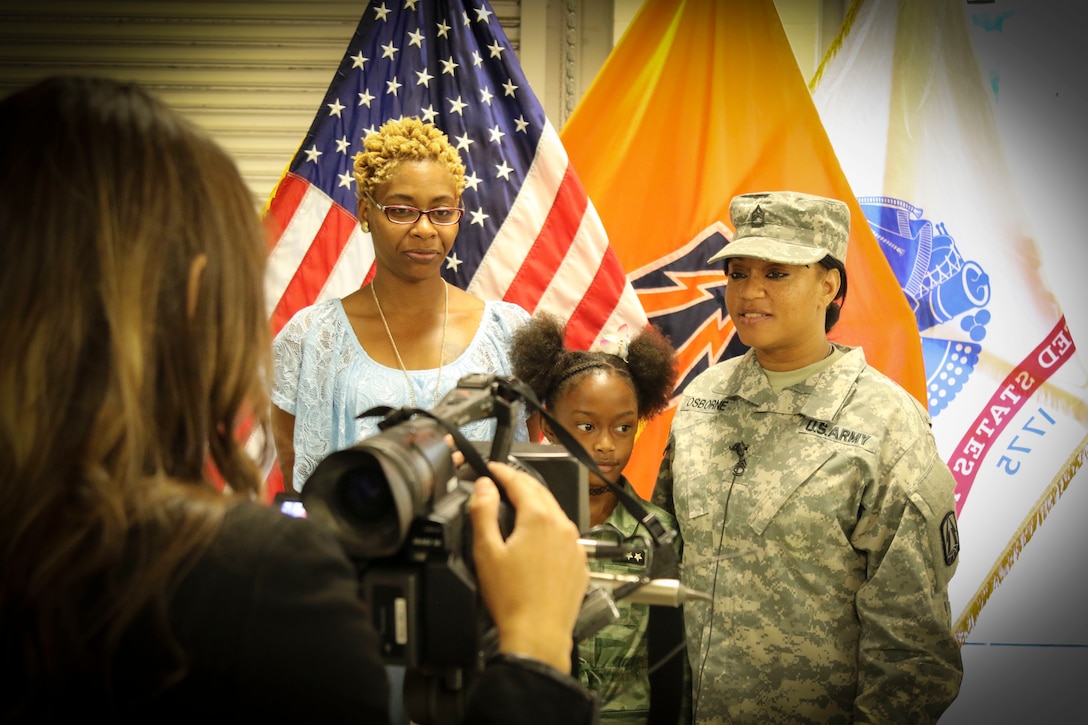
{"x": 950, "y": 538}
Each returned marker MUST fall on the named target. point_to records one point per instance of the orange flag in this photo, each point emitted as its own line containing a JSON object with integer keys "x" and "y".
{"x": 702, "y": 100}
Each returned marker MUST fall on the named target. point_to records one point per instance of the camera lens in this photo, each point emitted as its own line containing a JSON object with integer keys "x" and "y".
{"x": 370, "y": 494}
{"x": 364, "y": 494}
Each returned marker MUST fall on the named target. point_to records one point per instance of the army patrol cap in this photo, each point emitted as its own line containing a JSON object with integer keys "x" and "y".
{"x": 787, "y": 227}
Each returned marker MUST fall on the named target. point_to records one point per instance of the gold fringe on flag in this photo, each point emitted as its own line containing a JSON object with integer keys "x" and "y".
{"x": 1026, "y": 530}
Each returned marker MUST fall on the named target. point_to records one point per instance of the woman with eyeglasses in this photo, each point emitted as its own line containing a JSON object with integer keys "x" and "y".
{"x": 637, "y": 664}
{"x": 406, "y": 337}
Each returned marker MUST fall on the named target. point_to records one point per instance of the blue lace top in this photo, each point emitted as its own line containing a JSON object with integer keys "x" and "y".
{"x": 324, "y": 377}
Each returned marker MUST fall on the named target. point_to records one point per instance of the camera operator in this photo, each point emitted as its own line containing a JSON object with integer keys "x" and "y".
{"x": 136, "y": 345}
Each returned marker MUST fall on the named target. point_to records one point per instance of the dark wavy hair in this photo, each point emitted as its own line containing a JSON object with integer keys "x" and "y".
{"x": 118, "y": 395}
{"x": 541, "y": 359}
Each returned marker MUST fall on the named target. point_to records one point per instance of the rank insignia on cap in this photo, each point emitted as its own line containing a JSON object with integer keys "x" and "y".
{"x": 755, "y": 219}
{"x": 950, "y": 538}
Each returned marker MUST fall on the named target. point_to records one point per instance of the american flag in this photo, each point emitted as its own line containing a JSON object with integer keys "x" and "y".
{"x": 529, "y": 235}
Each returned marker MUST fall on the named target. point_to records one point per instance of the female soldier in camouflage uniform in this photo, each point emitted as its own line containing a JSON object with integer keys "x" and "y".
{"x": 811, "y": 500}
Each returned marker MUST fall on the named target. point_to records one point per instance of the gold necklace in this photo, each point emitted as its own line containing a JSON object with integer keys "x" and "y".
{"x": 441, "y": 350}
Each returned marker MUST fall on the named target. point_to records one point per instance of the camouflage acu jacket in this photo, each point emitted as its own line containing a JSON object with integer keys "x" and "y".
{"x": 615, "y": 662}
{"x": 821, "y": 518}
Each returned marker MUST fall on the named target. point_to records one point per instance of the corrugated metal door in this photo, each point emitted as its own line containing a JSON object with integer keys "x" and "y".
{"x": 252, "y": 72}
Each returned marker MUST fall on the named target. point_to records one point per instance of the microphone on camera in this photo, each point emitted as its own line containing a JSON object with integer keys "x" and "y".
{"x": 599, "y": 605}
{"x": 640, "y": 590}
{"x": 603, "y": 550}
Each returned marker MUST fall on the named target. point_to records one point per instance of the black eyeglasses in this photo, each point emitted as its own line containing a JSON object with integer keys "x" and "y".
{"x": 442, "y": 216}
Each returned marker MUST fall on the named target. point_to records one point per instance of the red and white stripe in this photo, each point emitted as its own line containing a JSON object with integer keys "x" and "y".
{"x": 569, "y": 268}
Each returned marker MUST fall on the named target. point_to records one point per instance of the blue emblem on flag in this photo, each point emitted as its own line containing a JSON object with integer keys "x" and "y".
{"x": 940, "y": 286}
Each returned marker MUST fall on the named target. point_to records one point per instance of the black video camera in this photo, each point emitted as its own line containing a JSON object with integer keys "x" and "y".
{"x": 398, "y": 506}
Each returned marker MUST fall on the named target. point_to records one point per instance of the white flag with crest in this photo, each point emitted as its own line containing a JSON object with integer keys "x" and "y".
{"x": 912, "y": 118}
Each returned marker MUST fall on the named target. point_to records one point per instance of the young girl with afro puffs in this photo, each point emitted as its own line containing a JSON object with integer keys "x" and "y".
{"x": 600, "y": 396}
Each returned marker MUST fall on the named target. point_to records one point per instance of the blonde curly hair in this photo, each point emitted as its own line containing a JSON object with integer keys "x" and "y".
{"x": 404, "y": 139}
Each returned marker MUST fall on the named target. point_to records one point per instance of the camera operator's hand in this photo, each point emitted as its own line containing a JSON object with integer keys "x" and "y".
{"x": 533, "y": 582}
